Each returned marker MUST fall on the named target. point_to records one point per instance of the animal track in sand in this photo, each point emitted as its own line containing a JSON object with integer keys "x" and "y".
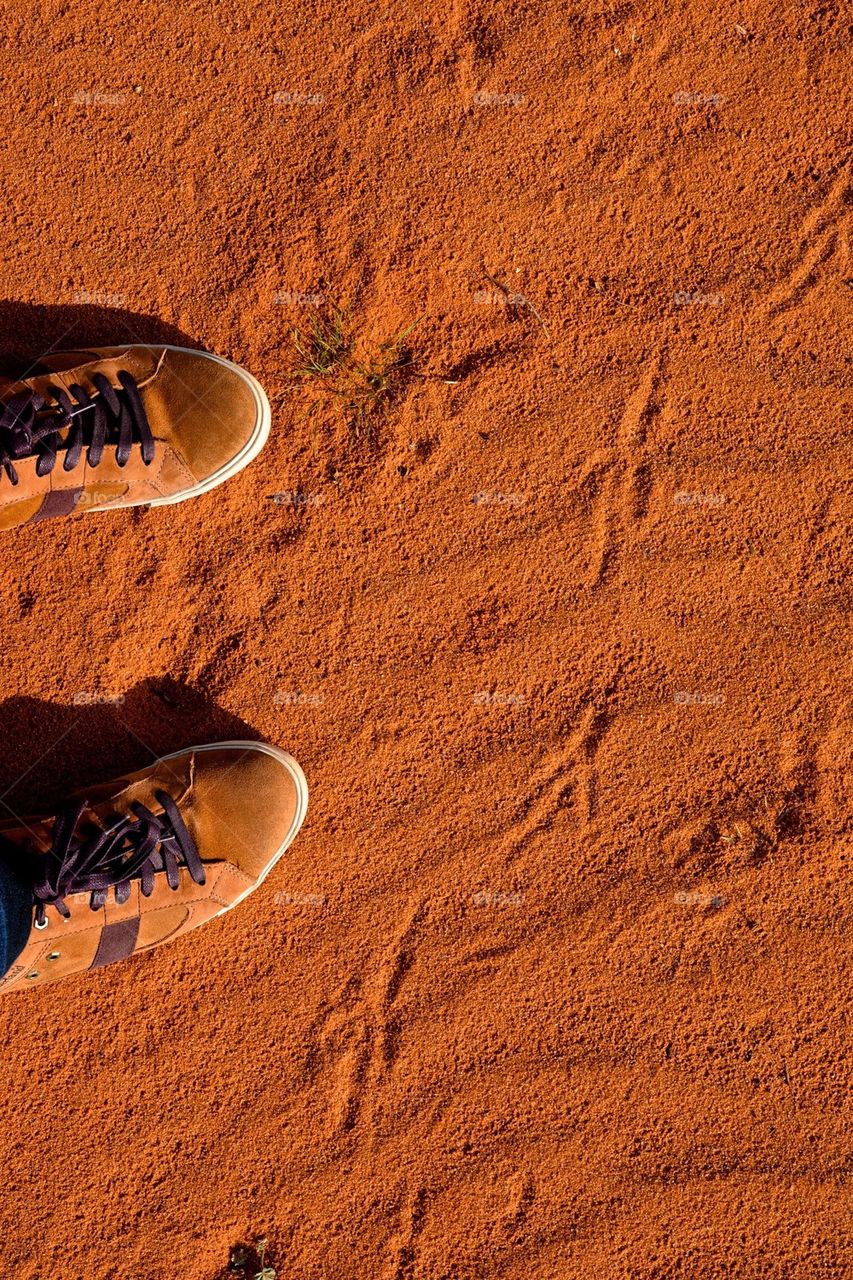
{"x": 402, "y": 1245}
{"x": 569, "y": 776}
{"x": 819, "y": 235}
{"x": 626, "y": 477}
{"x": 356, "y": 1042}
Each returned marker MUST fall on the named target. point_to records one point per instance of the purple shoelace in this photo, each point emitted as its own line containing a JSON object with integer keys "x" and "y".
{"x": 30, "y": 424}
{"x": 135, "y": 847}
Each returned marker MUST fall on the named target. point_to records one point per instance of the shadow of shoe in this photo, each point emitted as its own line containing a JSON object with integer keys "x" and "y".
{"x": 29, "y": 331}
{"x": 48, "y": 750}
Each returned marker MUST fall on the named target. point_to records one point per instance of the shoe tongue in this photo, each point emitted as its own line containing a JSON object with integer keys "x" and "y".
{"x": 45, "y": 367}
{"x": 65, "y": 368}
{"x": 37, "y": 835}
{"x": 55, "y": 362}
{"x": 104, "y": 804}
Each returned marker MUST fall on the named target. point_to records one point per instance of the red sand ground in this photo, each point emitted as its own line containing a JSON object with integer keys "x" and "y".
{"x": 552, "y": 983}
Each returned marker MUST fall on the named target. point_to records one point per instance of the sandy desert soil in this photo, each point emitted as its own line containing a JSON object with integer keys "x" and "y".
{"x": 552, "y": 985}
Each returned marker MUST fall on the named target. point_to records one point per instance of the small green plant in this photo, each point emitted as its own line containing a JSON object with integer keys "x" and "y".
{"x": 243, "y": 1256}
{"x": 326, "y": 342}
{"x": 369, "y": 382}
{"x": 266, "y": 1272}
{"x": 331, "y": 364}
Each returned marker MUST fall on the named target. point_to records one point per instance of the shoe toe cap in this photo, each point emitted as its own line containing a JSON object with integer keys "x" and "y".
{"x": 246, "y": 805}
{"x": 208, "y": 409}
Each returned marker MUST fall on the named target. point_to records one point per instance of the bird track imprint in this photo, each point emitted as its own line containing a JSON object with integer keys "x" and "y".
{"x": 572, "y": 774}
{"x": 625, "y": 476}
{"x": 819, "y": 235}
{"x": 355, "y": 1042}
{"x": 402, "y": 1245}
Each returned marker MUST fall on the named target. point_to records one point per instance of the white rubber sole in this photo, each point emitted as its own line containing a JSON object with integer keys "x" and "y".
{"x": 249, "y": 451}
{"x": 299, "y": 781}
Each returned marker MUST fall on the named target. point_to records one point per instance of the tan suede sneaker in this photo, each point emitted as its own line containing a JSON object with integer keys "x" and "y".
{"x": 122, "y": 427}
{"x": 148, "y": 857}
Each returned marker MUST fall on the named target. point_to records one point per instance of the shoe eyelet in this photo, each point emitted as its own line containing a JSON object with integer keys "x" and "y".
{"x": 32, "y": 975}
{"x": 54, "y": 955}
{"x": 43, "y": 924}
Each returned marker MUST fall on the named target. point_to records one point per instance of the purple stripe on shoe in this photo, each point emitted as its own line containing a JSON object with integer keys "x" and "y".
{"x": 118, "y": 941}
{"x": 59, "y": 502}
